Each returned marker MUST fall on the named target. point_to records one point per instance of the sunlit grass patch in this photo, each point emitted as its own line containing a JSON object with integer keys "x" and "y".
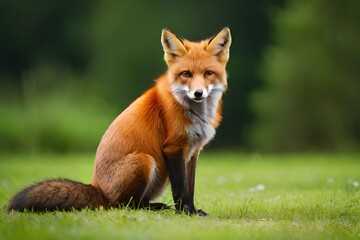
{"x": 246, "y": 196}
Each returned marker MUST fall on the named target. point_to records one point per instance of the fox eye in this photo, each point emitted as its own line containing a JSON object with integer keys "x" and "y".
{"x": 208, "y": 73}
{"x": 186, "y": 74}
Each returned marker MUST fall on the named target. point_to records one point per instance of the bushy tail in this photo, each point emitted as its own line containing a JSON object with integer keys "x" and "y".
{"x": 57, "y": 194}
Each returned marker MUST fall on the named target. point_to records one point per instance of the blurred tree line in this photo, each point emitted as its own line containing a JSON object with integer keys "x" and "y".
{"x": 67, "y": 69}
{"x": 310, "y": 95}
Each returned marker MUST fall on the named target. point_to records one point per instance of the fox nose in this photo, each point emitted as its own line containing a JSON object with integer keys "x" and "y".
{"x": 198, "y": 93}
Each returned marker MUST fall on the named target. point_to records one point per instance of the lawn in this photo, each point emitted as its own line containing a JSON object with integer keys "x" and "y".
{"x": 309, "y": 196}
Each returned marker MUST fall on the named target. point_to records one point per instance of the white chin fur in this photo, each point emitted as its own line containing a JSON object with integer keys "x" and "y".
{"x": 197, "y": 100}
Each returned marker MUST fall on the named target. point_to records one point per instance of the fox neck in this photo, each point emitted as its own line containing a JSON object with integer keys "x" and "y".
{"x": 203, "y": 112}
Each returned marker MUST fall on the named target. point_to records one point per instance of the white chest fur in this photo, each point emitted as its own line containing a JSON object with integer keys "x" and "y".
{"x": 200, "y": 132}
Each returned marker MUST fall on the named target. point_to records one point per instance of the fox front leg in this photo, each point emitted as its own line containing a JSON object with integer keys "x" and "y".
{"x": 190, "y": 174}
{"x": 175, "y": 166}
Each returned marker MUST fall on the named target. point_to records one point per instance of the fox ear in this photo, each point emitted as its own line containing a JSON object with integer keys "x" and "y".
{"x": 219, "y": 45}
{"x": 173, "y": 46}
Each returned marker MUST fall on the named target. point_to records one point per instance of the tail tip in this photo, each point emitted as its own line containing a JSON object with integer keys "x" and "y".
{"x": 18, "y": 202}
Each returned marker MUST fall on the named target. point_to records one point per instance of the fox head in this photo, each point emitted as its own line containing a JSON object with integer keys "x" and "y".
{"x": 196, "y": 70}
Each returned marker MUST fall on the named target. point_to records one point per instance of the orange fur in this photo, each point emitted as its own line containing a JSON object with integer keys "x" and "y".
{"x": 158, "y": 138}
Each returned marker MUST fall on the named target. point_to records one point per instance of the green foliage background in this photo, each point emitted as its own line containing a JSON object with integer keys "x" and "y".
{"x": 310, "y": 98}
{"x": 68, "y": 68}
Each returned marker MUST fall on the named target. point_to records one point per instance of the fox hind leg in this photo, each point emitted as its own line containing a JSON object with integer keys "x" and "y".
{"x": 128, "y": 181}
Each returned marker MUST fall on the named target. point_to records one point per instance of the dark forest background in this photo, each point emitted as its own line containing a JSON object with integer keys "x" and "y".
{"x": 68, "y": 68}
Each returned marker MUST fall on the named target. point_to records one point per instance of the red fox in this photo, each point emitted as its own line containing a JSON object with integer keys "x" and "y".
{"x": 156, "y": 140}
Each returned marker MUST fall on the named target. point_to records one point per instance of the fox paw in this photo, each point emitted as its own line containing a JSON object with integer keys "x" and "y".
{"x": 201, "y": 213}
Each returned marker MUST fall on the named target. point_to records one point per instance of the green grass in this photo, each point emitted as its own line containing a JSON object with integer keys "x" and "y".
{"x": 247, "y": 196}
